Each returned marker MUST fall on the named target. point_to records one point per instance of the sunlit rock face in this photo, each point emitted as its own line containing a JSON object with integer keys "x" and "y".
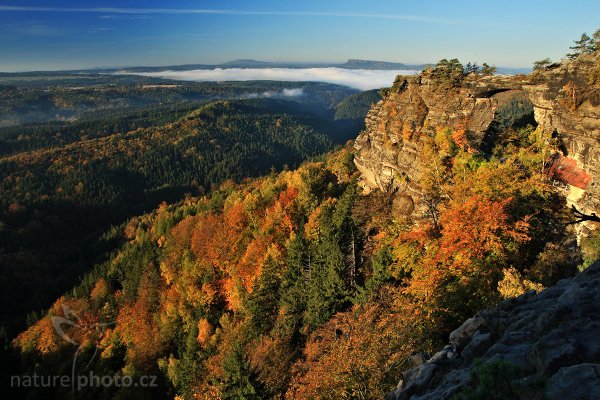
{"x": 565, "y": 100}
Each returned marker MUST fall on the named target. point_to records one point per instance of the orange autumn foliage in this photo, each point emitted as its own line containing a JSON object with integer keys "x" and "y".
{"x": 287, "y": 196}
{"x": 407, "y": 132}
{"x": 138, "y": 328}
{"x": 100, "y": 290}
{"x": 475, "y": 227}
{"x": 210, "y": 241}
{"x": 359, "y": 353}
{"x": 205, "y": 331}
{"x": 41, "y": 338}
{"x": 271, "y": 358}
{"x": 464, "y": 259}
{"x": 459, "y": 135}
{"x": 249, "y": 267}
{"x": 73, "y": 317}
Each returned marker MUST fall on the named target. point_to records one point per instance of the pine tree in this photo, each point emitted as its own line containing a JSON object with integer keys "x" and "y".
{"x": 468, "y": 68}
{"x": 488, "y": 70}
{"x": 185, "y": 371}
{"x": 293, "y": 284}
{"x": 450, "y": 72}
{"x": 471, "y": 68}
{"x": 345, "y": 228}
{"x": 336, "y": 287}
{"x": 584, "y": 45}
{"x": 380, "y": 273}
{"x": 541, "y": 64}
{"x": 328, "y": 286}
{"x": 596, "y": 40}
{"x": 238, "y": 383}
{"x": 262, "y": 302}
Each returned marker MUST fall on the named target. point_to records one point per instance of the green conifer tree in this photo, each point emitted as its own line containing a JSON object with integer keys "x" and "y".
{"x": 584, "y": 45}
{"x": 487, "y": 69}
{"x": 596, "y": 40}
{"x": 293, "y": 283}
{"x": 263, "y": 301}
{"x": 238, "y": 383}
{"x": 541, "y": 64}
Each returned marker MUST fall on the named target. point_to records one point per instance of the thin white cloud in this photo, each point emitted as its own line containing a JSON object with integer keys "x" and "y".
{"x": 125, "y": 16}
{"x": 122, "y": 10}
{"x": 295, "y": 92}
{"x": 363, "y": 79}
{"x": 99, "y": 30}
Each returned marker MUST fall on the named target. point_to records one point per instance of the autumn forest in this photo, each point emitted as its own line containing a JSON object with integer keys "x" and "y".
{"x": 293, "y": 285}
{"x": 223, "y": 240}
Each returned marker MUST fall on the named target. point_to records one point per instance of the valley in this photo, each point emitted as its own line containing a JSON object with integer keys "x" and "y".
{"x": 302, "y": 222}
{"x": 67, "y": 186}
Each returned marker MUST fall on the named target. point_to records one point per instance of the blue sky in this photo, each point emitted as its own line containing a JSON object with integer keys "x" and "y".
{"x": 60, "y": 34}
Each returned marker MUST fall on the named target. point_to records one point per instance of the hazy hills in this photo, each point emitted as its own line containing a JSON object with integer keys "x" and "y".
{"x": 248, "y": 63}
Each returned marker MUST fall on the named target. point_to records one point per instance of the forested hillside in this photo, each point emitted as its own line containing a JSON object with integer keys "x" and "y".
{"x": 356, "y": 105}
{"x": 295, "y": 286}
{"x": 50, "y": 97}
{"x": 91, "y": 125}
{"x": 175, "y": 227}
{"x": 64, "y": 185}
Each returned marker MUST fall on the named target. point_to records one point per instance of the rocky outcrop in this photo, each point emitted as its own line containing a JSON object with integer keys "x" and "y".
{"x": 565, "y": 99}
{"x": 388, "y": 152}
{"x": 549, "y": 341}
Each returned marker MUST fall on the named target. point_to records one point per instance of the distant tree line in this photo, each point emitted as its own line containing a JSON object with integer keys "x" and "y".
{"x": 452, "y": 72}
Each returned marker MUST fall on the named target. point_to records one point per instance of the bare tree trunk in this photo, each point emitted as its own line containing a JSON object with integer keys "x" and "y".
{"x": 353, "y": 260}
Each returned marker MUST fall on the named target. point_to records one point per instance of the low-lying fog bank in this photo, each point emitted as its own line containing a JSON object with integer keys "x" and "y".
{"x": 363, "y": 79}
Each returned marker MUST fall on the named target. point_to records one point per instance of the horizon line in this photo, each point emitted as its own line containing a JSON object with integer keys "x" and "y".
{"x": 317, "y": 64}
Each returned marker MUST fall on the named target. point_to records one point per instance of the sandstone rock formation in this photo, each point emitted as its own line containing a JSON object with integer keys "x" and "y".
{"x": 566, "y": 100}
{"x": 396, "y": 127}
{"x": 551, "y": 338}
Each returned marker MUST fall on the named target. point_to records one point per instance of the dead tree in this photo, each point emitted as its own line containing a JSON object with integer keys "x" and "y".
{"x": 581, "y": 217}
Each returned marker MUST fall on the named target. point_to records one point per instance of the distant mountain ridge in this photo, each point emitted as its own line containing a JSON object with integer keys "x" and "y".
{"x": 370, "y": 64}
{"x": 244, "y": 63}
{"x": 250, "y": 63}
{"x": 247, "y": 63}
{"x": 352, "y": 63}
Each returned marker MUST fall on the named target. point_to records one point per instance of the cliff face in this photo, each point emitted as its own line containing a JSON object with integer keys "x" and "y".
{"x": 565, "y": 99}
{"x": 533, "y": 346}
{"x": 398, "y": 125}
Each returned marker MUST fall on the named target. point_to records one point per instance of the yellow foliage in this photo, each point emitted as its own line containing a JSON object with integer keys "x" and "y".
{"x": 311, "y": 228}
{"x": 513, "y": 284}
{"x": 443, "y": 140}
{"x": 100, "y": 290}
{"x": 205, "y": 331}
